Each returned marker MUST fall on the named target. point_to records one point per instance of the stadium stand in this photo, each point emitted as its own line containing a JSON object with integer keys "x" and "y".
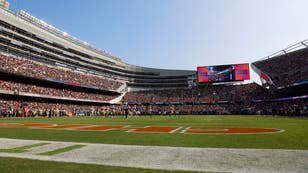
{"x": 48, "y": 91}
{"x": 18, "y": 65}
{"x": 45, "y": 72}
{"x": 207, "y": 93}
{"x": 31, "y": 108}
{"x": 12, "y": 108}
{"x": 286, "y": 69}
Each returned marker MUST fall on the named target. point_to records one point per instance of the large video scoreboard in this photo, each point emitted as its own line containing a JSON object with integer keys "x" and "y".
{"x": 223, "y": 73}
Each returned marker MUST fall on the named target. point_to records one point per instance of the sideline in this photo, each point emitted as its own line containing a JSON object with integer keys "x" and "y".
{"x": 168, "y": 158}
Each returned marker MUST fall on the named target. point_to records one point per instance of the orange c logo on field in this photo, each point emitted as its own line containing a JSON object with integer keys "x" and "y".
{"x": 229, "y": 130}
{"x": 147, "y": 129}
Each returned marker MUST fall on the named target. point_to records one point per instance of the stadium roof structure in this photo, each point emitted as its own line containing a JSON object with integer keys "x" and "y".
{"x": 294, "y": 47}
{"x": 42, "y": 24}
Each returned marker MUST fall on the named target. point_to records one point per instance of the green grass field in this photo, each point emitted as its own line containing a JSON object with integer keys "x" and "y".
{"x": 15, "y": 165}
{"x": 295, "y": 135}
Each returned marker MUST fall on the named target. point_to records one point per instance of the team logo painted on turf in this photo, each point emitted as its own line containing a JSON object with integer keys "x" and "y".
{"x": 147, "y": 129}
{"x": 229, "y": 130}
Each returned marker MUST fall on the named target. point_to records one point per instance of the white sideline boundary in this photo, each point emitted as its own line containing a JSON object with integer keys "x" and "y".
{"x": 169, "y": 158}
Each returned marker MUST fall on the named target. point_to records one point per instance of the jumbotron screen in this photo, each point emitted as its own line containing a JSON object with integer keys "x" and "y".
{"x": 223, "y": 73}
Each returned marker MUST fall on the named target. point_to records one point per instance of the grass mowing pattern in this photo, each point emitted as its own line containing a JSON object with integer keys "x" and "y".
{"x": 21, "y": 149}
{"x": 61, "y": 150}
{"x": 16, "y": 165}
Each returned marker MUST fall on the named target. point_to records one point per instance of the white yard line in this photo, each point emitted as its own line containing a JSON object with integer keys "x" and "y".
{"x": 176, "y": 129}
{"x": 170, "y": 158}
{"x": 184, "y": 130}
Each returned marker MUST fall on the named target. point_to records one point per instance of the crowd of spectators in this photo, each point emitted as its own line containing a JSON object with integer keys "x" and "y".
{"x": 279, "y": 108}
{"x": 214, "y": 99}
{"x": 208, "y": 94}
{"x": 286, "y": 69}
{"x": 13, "y": 108}
{"x": 9, "y": 108}
{"x": 284, "y": 108}
{"x": 48, "y": 91}
{"x": 22, "y": 66}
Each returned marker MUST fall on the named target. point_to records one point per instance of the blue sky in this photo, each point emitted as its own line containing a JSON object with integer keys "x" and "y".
{"x": 178, "y": 34}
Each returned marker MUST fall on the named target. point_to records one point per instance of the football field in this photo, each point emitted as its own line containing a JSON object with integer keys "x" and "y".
{"x": 154, "y": 144}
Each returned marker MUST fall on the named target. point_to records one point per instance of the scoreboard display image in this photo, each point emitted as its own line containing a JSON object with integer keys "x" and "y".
{"x": 223, "y": 73}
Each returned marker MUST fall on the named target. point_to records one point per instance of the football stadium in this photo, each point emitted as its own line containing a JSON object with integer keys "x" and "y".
{"x": 68, "y": 106}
